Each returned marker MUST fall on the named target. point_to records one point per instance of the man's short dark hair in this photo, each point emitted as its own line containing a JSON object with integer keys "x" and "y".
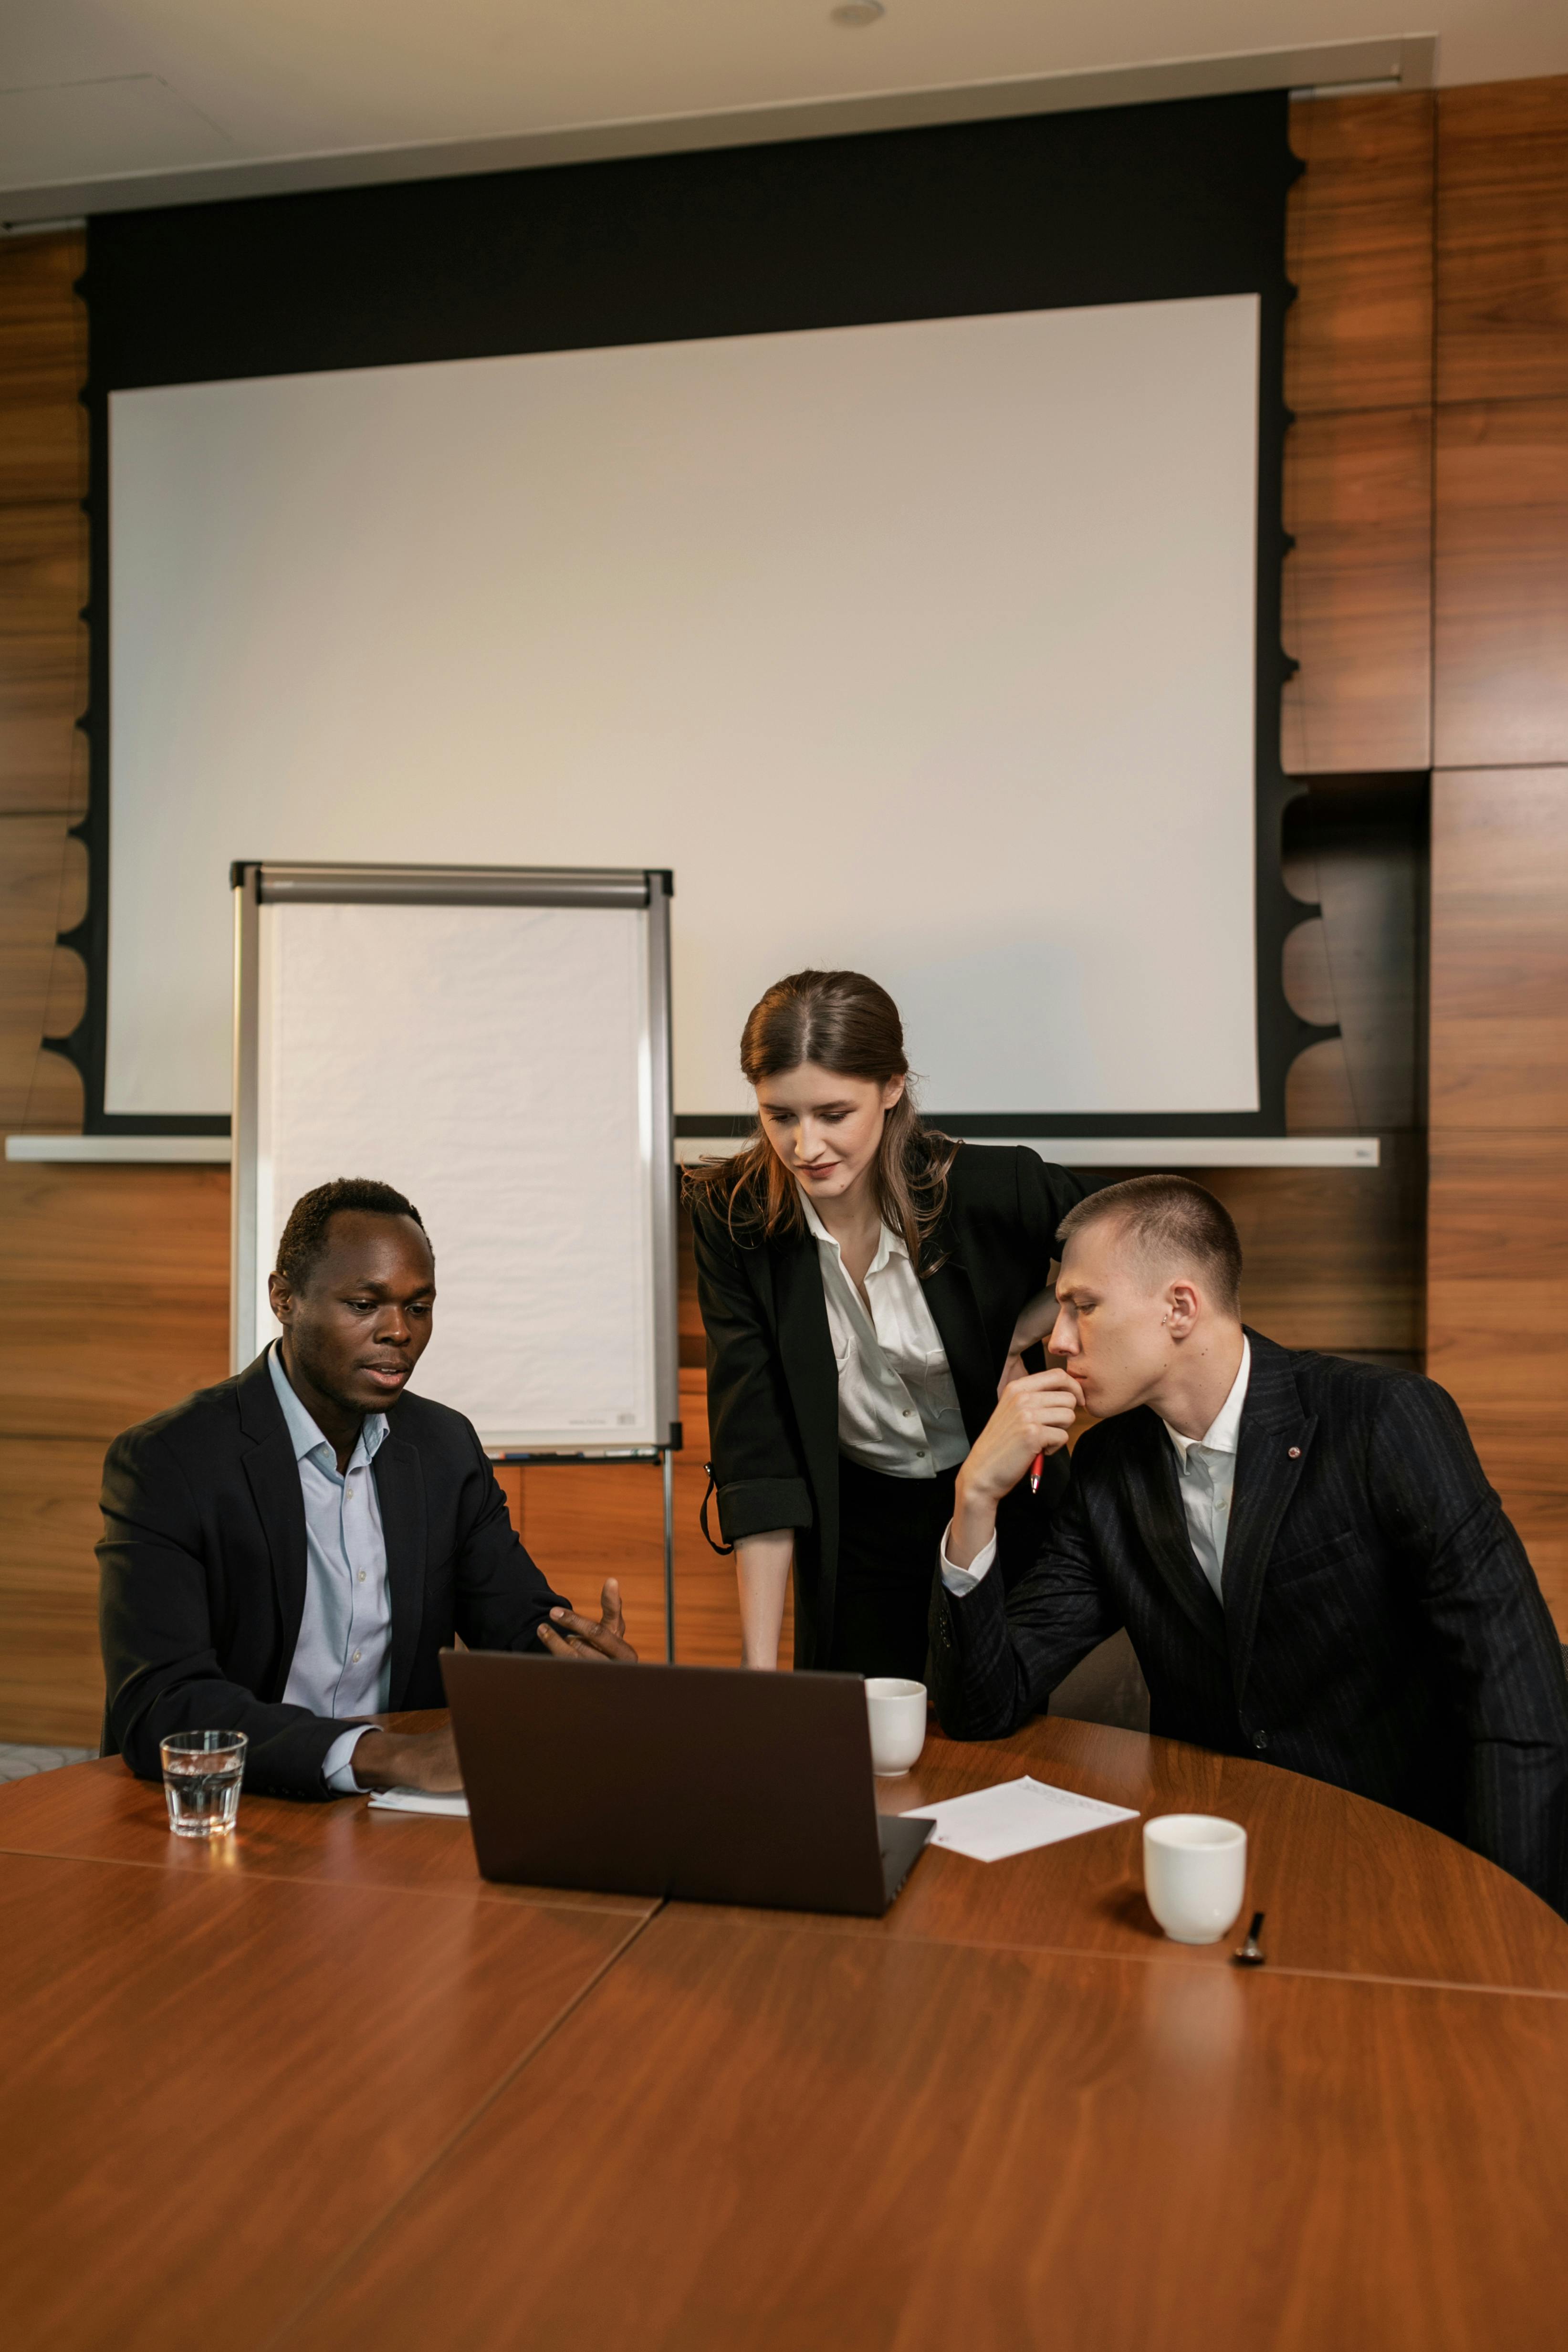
{"x": 304, "y": 1239}
{"x": 1169, "y": 1217}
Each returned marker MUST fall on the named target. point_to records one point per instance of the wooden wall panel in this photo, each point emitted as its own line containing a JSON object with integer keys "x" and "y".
{"x": 1333, "y": 1257}
{"x": 1498, "y": 1264}
{"x": 43, "y": 533}
{"x": 43, "y": 889}
{"x": 1502, "y": 241}
{"x": 113, "y": 1294}
{"x": 1357, "y": 593}
{"x": 1498, "y": 1292}
{"x": 1358, "y": 252}
{"x": 43, "y": 363}
{"x": 1500, "y": 951}
{"x": 43, "y": 656}
{"x": 51, "y": 1680}
{"x": 1497, "y": 1286}
{"x": 1501, "y": 584}
{"x": 1356, "y": 590}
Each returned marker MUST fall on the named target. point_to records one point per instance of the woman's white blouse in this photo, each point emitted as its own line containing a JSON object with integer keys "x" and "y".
{"x": 897, "y": 1408}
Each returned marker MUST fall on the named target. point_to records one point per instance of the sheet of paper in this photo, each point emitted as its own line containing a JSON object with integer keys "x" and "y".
{"x": 420, "y": 1800}
{"x": 1014, "y": 1817}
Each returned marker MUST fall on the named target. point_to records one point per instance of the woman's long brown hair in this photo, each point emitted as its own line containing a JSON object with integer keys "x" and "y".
{"x": 846, "y": 1023}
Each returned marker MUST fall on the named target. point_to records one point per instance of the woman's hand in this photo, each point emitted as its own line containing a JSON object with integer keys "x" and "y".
{"x": 1035, "y": 1322}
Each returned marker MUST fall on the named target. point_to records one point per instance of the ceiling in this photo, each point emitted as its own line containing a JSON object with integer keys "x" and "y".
{"x": 113, "y": 103}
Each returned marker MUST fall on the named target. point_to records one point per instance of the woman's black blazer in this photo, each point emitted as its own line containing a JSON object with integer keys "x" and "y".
{"x": 772, "y": 1382}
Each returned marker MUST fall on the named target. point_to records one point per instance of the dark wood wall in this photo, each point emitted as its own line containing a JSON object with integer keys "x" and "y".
{"x": 1427, "y": 602}
{"x": 1499, "y": 1262}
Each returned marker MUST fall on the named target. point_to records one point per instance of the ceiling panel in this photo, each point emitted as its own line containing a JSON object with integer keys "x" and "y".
{"x": 298, "y": 89}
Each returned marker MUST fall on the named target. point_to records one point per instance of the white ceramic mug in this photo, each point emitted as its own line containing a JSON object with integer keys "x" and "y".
{"x": 1195, "y": 1874}
{"x": 898, "y": 1713}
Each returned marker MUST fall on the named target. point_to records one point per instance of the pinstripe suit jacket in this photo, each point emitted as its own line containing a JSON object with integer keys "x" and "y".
{"x": 1382, "y": 1627}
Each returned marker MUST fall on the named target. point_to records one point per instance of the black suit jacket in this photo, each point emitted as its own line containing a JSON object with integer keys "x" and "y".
{"x": 772, "y": 1382}
{"x": 1382, "y": 1627}
{"x": 202, "y": 1574}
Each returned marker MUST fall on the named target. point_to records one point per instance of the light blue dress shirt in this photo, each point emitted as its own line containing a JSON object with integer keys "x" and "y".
{"x": 342, "y": 1659}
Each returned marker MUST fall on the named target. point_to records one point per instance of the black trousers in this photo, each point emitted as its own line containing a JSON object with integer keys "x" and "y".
{"x": 888, "y": 1530}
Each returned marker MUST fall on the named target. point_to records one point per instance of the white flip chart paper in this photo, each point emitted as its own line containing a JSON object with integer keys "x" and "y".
{"x": 1014, "y": 1817}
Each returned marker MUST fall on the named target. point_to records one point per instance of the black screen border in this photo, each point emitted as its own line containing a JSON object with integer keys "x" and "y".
{"x": 1129, "y": 203}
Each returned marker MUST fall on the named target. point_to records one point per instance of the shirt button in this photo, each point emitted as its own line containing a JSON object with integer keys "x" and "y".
{"x": 361, "y": 1576}
{"x": 356, "y": 1657}
{"x": 1259, "y": 1738}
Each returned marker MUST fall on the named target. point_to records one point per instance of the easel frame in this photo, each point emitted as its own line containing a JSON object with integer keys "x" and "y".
{"x": 257, "y": 882}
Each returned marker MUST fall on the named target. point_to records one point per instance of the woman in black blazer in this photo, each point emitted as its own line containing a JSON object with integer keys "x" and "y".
{"x": 867, "y": 1285}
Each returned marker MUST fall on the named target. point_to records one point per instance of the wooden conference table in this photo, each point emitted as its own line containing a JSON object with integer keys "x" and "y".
{"x": 322, "y": 2086}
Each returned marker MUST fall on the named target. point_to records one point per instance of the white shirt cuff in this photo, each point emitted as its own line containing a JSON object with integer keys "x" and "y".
{"x": 960, "y": 1581}
{"x": 337, "y": 1766}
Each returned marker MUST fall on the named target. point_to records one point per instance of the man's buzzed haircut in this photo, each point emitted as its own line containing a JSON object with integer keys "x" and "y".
{"x": 304, "y": 1240}
{"x": 1171, "y": 1219}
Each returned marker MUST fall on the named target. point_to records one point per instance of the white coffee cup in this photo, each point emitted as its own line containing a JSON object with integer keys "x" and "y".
{"x": 1195, "y": 1874}
{"x": 898, "y": 1713}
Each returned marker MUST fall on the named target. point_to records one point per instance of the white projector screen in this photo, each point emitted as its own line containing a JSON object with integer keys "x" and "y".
{"x": 927, "y": 648}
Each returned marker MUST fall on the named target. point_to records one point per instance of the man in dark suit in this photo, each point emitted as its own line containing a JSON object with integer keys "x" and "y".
{"x": 289, "y": 1552}
{"x": 1305, "y": 1553}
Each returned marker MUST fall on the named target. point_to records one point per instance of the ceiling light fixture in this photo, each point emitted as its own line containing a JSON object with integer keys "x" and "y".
{"x": 856, "y": 13}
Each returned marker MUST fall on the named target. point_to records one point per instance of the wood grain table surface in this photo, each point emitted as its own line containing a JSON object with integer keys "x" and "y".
{"x": 321, "y": 2084}
{"x": 801, "y": 2139}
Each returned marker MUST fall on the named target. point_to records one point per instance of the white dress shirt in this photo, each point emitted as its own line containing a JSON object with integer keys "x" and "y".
{"x": 897, "y": 1408}
{"x": 342, "y": 1658}
{"x": 1206, "y": 1471}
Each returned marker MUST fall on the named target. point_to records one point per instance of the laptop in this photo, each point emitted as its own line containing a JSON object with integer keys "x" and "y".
{"x": 704, "y": 1783}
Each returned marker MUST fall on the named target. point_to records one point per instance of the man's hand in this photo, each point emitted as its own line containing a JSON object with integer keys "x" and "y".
{"x": 1035, "y": 1416}
{"x": 567, "y": 1635}
{"x": 409, "y": 1760}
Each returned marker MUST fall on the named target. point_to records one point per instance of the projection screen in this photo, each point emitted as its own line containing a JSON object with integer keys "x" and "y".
{"x": 926, "y": 647}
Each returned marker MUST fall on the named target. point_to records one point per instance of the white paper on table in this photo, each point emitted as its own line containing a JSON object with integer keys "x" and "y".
{"x": 421, "y": 1801}
{"x": 1014, "y": 1817}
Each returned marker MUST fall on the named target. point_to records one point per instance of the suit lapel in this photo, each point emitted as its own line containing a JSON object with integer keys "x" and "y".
{"x": 400, "y": 1488}
{"x": 956, "y": 1314}
{"x": 1152, "y": 1492}
{"x": 273, "y": 1476}
{"x": 1275, "y": 1439}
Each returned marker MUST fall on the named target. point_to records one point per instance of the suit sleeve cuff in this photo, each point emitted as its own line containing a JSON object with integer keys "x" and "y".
{"x": 337, "y": 1765}
{"x": 760, "y": 1507}
{"x": 960, "y": 1581}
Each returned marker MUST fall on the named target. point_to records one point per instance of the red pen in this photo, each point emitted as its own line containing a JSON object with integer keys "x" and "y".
{"x": 1036, "y": 1466}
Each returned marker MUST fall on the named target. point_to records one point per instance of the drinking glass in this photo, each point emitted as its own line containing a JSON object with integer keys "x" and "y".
{"x": 201, "y": 1774}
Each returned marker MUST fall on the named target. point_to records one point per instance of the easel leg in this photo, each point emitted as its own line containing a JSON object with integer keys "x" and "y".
{"x": 669, "y": 1556}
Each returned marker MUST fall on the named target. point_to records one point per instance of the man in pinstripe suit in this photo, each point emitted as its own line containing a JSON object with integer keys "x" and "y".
{"x": 1305, "y": 1553}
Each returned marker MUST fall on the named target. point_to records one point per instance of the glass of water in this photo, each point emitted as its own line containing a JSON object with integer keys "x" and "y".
{"x": 201, "y": 1774}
